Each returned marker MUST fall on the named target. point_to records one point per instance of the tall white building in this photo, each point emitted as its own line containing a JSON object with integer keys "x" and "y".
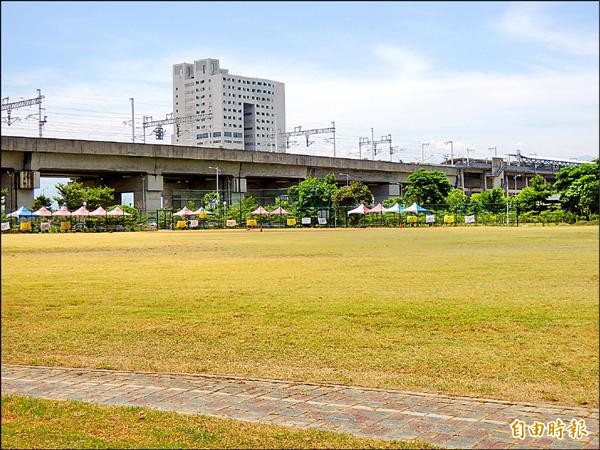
{"x": 245, "y": 111}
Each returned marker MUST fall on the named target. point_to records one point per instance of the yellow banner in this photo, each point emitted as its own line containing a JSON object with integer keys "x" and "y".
{"x": 180, "y": 224}
{"x": 65, "y": 226}
{"x": 25, "y": 226}
{"x": 291, "y": 222}
{"x": 411, "y": 219}
{"x": 203, "y": 215}
{"x": 251, "y": 222}
{"x": 448, "y": 219}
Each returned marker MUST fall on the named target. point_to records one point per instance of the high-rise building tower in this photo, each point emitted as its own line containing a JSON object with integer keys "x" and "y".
{"x": 245, "y": 111}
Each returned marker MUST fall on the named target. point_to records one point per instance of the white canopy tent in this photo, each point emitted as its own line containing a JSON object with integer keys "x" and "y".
{"x": 395, "y": 208}
{"x": 362, "y": 209}
{"x": 414, "y": 208}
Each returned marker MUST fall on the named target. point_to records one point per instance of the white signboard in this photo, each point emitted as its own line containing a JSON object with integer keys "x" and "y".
{"x": 193, "y": 223}
{"x": 45, "y": 226}
{"x": 306, "y": 221}
{"x": 5, "y": 226}
{"x": 430, "y": 218}
{"x": 469, "y": 219}
{"x": 231, "y": 223}
{"x": 322, "y": 221}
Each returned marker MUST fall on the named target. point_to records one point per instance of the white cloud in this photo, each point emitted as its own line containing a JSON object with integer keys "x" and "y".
{"x": 403, "y": 62}
{"x": 529, "y": 22}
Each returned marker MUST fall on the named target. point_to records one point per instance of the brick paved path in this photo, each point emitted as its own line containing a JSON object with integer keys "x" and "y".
{"x": 444, "y": 421}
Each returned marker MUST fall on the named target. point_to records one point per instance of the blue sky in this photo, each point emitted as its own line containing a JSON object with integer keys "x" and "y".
{"x": 514, "y": 75}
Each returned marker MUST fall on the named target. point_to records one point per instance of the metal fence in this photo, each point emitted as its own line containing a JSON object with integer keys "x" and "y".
{"x": 238, "y": 214}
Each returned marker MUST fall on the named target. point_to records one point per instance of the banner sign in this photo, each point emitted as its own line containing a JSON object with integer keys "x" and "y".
{"x": 203, "y": 214}
{"x": 5, "y": 226}
{"x": 411, "y": 219}
{"x": 251, "y": 222}
{"x": 306, "y": 221}
{"x": 25, "y": 226}
{"x": 430, "y": 218}
{"x": 291, "y": 222}
{"x": 448, "y": 219}
{"x": 231, "y": 223}
{"x": 44, "y": 226}
{"x": 322, "y": 221}
{"x": 180, "y": 224}
{"x": 469, "y": 219}
{"x": 193, "y": 223}
{"x": 65, "y": 226}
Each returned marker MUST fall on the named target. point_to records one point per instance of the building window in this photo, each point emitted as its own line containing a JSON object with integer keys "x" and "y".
{"x": 216, "y": 134}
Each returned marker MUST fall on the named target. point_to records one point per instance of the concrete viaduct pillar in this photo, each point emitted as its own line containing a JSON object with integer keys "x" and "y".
{"x": 147, "y": 189}
{"x": 383, "y": 191}
{"x": 20, "y": 186}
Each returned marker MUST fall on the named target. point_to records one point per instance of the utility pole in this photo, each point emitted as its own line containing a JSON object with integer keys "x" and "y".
{"x": 333, "y": 126}
{"x": 451, "y": 151}
{"x": 423, "y": 144}
{"x": 347, "y": 177}
{"x": 132, "y": 121}
{"x": 217, "y": 170}
{"x": 362, "y": 141}
{"x": 469, "y": 150}
{"x": 276, "y": 137}
{"x": 372, "y": 145}
{"x": 9, "y": 106}
{"x": 495, "y": 151}
{"x": 41, "y": 121}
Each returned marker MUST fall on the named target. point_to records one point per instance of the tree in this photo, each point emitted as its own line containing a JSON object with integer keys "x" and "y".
{"x": 96, "y": 196}
{"x": 532, "y": 198}
{"x": 313, "y": 192}
{"x": 492, "y": 201}
{"x": 73, "y": 194}
{"x": 352, "y": 195}
{"x": 578, "y": 187}
{"x": 210, "y": 200}
{"x": 41, "y": 201}
{"x": 456, "y": 197}
{"x": 428, "y": 187}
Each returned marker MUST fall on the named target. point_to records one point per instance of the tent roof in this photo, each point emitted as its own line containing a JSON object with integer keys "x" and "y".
{"x": 81, "y": 212}
{"x": 99, "y": 211}
{"x": 396, "y": 207}
{"x": 361, "y": 209}
{"x": 376, "y": 209}
{"x": 22, "y": 212}
{"x": 278, "y": 212}
{"x": 43, "y": 211}
{"x": 260, "y": 210}
{"x": 63, "y": 211}
{"x": 185, "y": 211}
{"x": 414, "y": 208}
{"x": 201, "y": 210}
{"x": 118, "y": 212}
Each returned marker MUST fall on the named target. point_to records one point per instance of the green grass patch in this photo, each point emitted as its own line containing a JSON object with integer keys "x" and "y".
{"x": 493, "y": 312}
{"x": 36, "y": 423}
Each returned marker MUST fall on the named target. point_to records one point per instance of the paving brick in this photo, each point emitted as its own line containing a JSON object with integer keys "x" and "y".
{"x": 387, "y": 414}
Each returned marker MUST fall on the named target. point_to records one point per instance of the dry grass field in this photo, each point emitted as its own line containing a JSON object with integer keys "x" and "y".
{"x": 493, "y": 312}
{"x": 36, "y": 423}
